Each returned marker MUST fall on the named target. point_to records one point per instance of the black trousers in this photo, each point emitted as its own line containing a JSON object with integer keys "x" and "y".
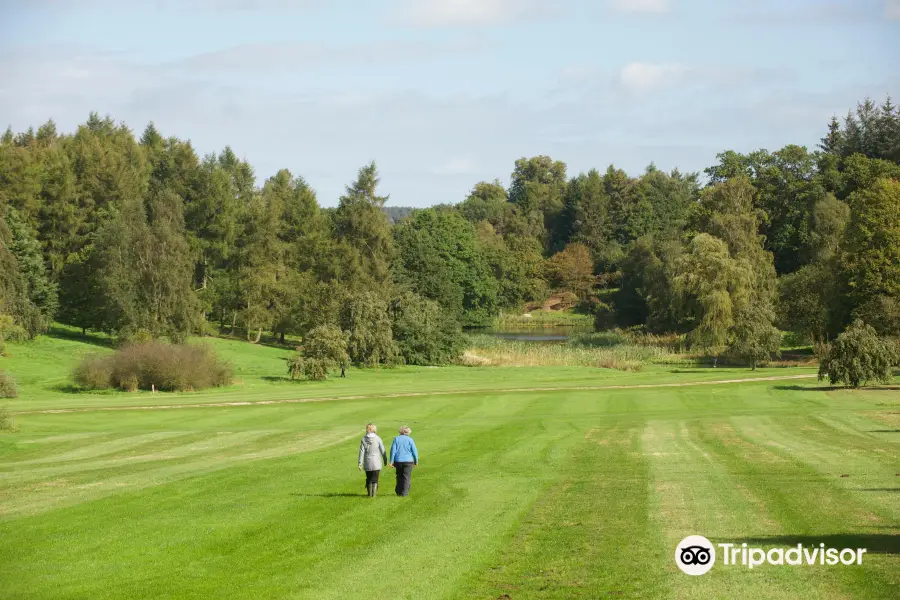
{"x": 404, "y": 474}
{"x": 371, "y": 477}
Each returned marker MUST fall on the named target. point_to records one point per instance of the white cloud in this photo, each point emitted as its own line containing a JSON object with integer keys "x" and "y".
{"x": 273, "y": 56}
{"x": 471, "y": 13}
{"x": 644, "y": 77}
{"x": 892, "y": 9}
{"x": 648, "y": 7}
{"x": 462, "y": 165}
{"x": 641, "y": 77}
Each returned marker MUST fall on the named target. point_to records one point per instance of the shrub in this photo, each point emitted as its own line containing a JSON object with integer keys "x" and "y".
{"x": 94, "y": 372}
{"x": 295, "y": 366}
{"x": 10, "y": 331}
{"x": 316, "y": 369}
{"x": 167, "y": 367}
{"x": 322, "y": 350}
{"x": 6, "y": 420}
{"x": 7, "y": 386}
{"x": 134, "y": 336}
{"x": 857, "y": 357}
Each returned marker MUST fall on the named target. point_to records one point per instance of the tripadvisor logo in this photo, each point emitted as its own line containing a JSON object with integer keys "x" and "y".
{"x": 696, "y": 555}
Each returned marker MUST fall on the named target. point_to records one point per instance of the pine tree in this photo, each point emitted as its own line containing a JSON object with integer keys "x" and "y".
{"x": 23, "y": 245}
{"x": 14, "y": 293}
{"x": 361, "y": 224}
{"x": 833, "y": 140}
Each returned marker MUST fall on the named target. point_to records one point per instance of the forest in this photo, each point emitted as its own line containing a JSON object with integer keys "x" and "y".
{"x": 140, "y": 237}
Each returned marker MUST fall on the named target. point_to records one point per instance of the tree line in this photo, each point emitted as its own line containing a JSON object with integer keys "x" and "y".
{"x": 134, "y": 236}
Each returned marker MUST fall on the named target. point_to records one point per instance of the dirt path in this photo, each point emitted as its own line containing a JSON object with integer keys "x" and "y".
{"x": 415, "y": 394}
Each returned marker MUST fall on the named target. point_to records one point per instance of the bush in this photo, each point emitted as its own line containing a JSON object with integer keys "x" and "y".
{"x": 10, "y": 332}
{"x": 323, "y": 349}
{"x": 6, "y": 420}
{"x": 94, "y": 372}
{"x": 134, "y": 336}
{"x": 167, "y": 367}
{"x": 7, "y": 386}
{"x": 857, "y": 357}
{"x": 295, "y": 366}
{"x": 316, "y": 369}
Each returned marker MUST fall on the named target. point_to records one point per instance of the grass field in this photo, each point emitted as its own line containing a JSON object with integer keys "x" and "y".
{"x": 528, "y": 487}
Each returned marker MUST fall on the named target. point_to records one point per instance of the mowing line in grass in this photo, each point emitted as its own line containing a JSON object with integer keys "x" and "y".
{"x": 409, "y": 395}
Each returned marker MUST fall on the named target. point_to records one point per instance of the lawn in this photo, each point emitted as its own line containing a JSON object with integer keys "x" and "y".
{"x": 528, "y": 487}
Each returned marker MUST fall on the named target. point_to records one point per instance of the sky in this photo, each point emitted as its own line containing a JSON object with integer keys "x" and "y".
{"x": 445, "y": 93}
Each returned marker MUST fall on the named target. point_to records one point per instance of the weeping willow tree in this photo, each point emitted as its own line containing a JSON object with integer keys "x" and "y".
{"x": 713, "y": 287}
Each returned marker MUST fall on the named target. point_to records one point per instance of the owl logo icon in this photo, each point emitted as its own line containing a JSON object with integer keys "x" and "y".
{"x": 695, "y": 555}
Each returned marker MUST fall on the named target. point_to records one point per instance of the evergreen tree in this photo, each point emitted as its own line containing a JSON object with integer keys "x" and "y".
{"x": 360, "y": 223}
{"x": 23, "y": 245}
{"x": 15, "y": 304}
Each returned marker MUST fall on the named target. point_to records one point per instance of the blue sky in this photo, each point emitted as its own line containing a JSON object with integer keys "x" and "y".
{"x": 446, "y": 93}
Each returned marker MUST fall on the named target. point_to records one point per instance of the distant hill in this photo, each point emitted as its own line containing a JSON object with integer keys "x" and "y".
{"x": 397, "y": 213}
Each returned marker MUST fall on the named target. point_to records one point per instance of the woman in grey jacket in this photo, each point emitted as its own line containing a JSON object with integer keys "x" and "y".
{"x": 372, "y": 457}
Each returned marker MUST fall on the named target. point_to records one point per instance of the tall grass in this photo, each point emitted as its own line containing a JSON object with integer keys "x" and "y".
{"x": 542, "y": 318}
{"x": 607, "y": 353}
{"x": 673, "y": 342}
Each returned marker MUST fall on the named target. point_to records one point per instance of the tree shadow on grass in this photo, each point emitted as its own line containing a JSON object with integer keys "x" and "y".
{"x": 68, "y": 388}
{"x": 276, "y": 378}
{"x": 62, "y": 333}
{"x": 877, "y": 543}
{"x": 896, "y": 489}
{"x": 331, "y": 495}
{"x": 884, "y": 431}
{"x": 834, "y": 388}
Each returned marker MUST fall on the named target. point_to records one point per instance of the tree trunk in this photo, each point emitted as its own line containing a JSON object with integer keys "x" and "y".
{"x": 83, "y": 331}
{"x": 281, "y": 339}
{"x": 233, "y": 322}
{"x": 258, "y": 335}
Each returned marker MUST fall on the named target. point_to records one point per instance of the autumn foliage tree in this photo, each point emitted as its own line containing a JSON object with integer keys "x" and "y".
{"x": 572, "y": 269}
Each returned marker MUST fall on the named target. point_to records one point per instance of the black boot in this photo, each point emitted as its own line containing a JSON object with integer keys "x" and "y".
{"x": 369, "y": 491}
{"x": 374, "y": 489}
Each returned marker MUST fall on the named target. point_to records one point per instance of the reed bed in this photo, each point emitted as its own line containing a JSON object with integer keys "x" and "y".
{"x": 626, "y": 355}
